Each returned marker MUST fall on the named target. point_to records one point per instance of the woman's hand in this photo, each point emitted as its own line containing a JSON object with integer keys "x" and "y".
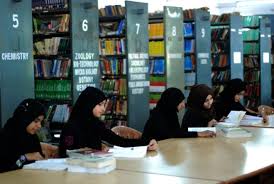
{"x": 153, "y": 145}
{"x": 212, "y": 123}
{"x": 49, "y": 150}
{"x": 34, "y": 156}
{"x": 206, "y": 133}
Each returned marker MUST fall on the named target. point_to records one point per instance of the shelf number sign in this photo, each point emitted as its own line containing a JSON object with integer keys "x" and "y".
{"x": 85, "y": 25}
{"x": 203, "y": 32}
{"x": 15, "y": 21}
{"x": 137, "y": 28}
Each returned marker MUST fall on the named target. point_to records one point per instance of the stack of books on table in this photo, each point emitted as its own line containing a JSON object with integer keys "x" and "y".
{"x": 90, "y": 161}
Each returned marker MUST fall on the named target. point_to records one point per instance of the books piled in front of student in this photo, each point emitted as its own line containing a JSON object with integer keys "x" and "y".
{"x": 234, "y": 132}
{"x": 90, "y": 161}
{"x": 82, "y": 160}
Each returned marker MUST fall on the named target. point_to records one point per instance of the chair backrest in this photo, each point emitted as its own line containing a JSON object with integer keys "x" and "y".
{"x": 265, "y": 110}
{"x": 127, "y": 132}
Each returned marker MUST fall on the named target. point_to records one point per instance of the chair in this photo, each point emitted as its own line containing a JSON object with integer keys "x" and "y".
{"x": 127, "y": 132}
{"x": 265, "y": 110}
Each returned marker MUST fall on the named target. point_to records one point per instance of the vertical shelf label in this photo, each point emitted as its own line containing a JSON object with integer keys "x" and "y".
{"x": 85, "y": 39}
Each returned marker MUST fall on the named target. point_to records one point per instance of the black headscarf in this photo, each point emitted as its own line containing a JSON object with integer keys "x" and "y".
{"x": 196, "y": 99}
{"x": 232, "y": 88}
{"x": 85, "y": 103}
{"x": 169, "y": 100}
{"x": 16, "y": 140}
{"x": 225, "y": 101}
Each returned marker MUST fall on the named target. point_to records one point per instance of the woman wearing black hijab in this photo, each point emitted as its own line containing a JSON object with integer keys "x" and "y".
{"x": 19, "y": 143}
{"x": 84, "y": 129}
{"x": 229, "y": 99}
{"x": 163, "y": 122}
{"x": 199, "y": 111}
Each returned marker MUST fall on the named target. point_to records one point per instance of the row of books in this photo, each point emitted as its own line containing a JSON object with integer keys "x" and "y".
{"x": 52, "y": 68}
{"x": 115, "y": 46}
{"x": 114, "y": 86}
{"x": 219, "y": 60}
{"x": 190, "y": 79}
{"x": 116, "y": 10}
{"x": 53, "y": 95}
{"x": 117, "y": 106}
{"x": 188, "y": 29}
{"x": 189, "y": 14}
{"x": 52, "y": 46}
{"x": 57, "y": 23}
{"x": 220, "y": 76}
{"x": 189, "y": 46}
{"x": 112, "y": 28}
{"x": 156, "y": 30}
{"x": 252, "y": 34}
{"x": 219, "y": 34}
{"x": 252, "y": 76}
{"x": 49, "y": 4}
{"x": 61, "y": 113}
{"x": 157, "y": 84}
{"x": 156, "y": 48}
{"x": 224, "y": 18}
{"x": 251, "y": 21}
{"x": 157, "y": 66}
{"x": 53, "y": 86}
{"x": 113, "y": 66}
{"x": 153, "y": 99}
{"x": 251, "y": 48}
{"x": 252, "y": 90}
{"x": 190, "y": 62}
{"x": 251, "y": 61}
{"x": 219, "y": 47}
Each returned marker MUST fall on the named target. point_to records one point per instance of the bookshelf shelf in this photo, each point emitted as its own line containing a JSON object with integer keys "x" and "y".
{"x": 50, "y": 12}
{"x": 113, "y": 36}
{"x": 189, "y": 53}
{"x": 251, "y": 41}
{"x": 189, "y": 37}
{"x": 50, "y": 35}
{"x": 221, "y": 24}
{"x": 189, "y": 20}
{"x": 219, "y": 68}
{"x": 110, "y": 18}
{"x": 50, "y": 57}
{"x": 52, "y": 78}
{"x": 114, "y": 55}
{"x": 156, "y": 39}
{"x": 252, "y": 27}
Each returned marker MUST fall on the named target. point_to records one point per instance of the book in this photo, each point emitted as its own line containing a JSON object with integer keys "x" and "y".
{"x": 201, "y": 129}
{"x": 251, "y": 120}
{"x": 235, "y": 132}
{"x": 129, "y": 152}
{"x": 235, "y": 117}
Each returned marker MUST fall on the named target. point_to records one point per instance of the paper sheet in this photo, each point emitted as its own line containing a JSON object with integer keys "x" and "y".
{"x": 130, "y": 152}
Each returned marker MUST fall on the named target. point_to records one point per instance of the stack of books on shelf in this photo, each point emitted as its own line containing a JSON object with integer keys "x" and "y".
{"x": 113, "y": 66}
{"x": 219, "y": 33}
{"x": 56, "y": 24}
{"x": 219, "y": 47}
{"x": 52, "y": 68}
{"x": 114, "y": 86}
{"x": 220, "y": 76}
{"x": 156, "y": 48}
{"x": 49, "y": 5}
{"x": 52, "y": 46}
{"x": 112, "y": 46}
{"x": 156, "y": 30}
{"x": 219, "y": 61}
{"x": 157, "y": 66}
{"x": 53, "y": 89}
{"x": 188, "y": 29}
{"x": 116, "y": 10}
{"x": 189, "y": 46}
{"x": 216, "y": 19}
{"x": 188, "y": 14}
{"x": 190, "y": 63}
{"x": 112, "y": 28}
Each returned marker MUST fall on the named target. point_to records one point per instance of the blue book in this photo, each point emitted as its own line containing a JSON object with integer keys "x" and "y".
{"x": 188, "y": 63}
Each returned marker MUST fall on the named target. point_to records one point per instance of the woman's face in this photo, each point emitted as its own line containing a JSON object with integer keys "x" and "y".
{"x": 99, "y": 109}
{"x": 35, "y": 125}
{"x": 239, "y": 96}
{"x": 208, "y": 102}
{"x": 181, "y": 106}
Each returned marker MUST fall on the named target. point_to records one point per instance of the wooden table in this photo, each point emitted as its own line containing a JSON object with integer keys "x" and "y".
{"x": 217, "y": 159}
{"x": 115, "y": 177}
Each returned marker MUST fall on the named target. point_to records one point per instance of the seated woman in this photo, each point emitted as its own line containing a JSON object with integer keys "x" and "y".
{"x": 199, "y": 111}
{"x": 84, "y": 129}
{"x": 229, "y": 99}
{"x": 19, "y": 143}
{"x": 163, "y": 122}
